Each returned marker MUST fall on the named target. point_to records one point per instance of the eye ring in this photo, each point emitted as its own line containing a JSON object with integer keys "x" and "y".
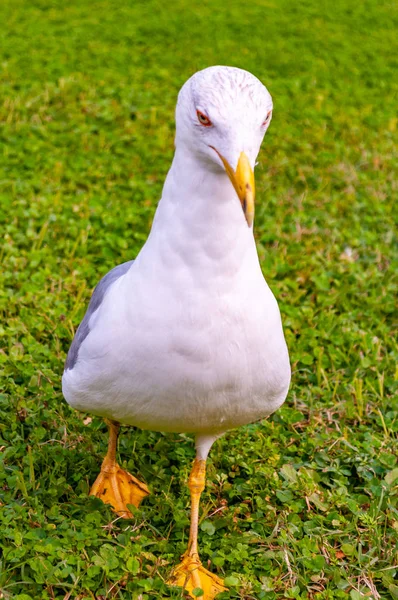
{"x": 203, "y": 120}
{"x": 267, "y": 118}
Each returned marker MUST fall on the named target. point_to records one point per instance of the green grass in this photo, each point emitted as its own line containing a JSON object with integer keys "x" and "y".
{"x": 303, "y": 505}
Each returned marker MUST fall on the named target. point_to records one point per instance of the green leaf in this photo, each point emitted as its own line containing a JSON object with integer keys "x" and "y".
{"x": 392, "y": 476}
{"x": 208, "y": 527}
{"x": 285, "y": 496}
{"x": 315, "y": 499}
{"x": 289, "y": 473}
{"x": 393, "y": 589}
{"x": 231, "y": 581}
{"x": 18, "y": 538}
{"x": 133, "y": 565}
{"x": 348, "y": 549}
{"x": 318, "y": 563}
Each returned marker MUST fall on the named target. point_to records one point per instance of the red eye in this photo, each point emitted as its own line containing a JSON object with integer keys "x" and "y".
{"x": 267, "y": 118}
{"x": 203, "y": 120}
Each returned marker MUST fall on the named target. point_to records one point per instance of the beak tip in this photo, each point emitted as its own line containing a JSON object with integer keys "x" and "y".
{"x": 243, "y": 181}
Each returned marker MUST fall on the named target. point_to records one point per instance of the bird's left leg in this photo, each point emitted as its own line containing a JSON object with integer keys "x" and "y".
{"x": 114, "y": 485}
{"x": 190, "y": 573}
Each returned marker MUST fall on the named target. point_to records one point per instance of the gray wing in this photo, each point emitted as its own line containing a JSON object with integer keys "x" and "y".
{"x": 96, "y": 299}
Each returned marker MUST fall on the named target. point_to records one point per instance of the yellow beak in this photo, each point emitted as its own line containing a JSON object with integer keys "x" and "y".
{"x": 243, "y": 181}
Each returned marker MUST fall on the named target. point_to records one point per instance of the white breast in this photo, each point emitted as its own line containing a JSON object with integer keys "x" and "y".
{"x": 180, "y": 358}
{"x": 190, "y": 339}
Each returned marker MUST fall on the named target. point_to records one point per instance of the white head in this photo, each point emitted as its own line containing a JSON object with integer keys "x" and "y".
{"x": 222, "y": 115}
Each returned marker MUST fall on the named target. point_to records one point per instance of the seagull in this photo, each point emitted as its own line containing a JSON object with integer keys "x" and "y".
{"x": 187, "y": 338}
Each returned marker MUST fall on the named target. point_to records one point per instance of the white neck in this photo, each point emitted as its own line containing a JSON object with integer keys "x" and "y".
{"x": 199, "y": 221}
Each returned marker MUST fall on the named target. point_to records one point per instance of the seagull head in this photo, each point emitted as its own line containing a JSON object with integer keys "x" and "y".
{"x": 222, "y": 115}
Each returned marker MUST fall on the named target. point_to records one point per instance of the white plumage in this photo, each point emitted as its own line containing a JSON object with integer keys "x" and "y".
{"x": 189, "y": 338}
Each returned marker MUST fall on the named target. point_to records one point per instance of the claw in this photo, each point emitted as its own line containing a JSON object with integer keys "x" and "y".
{"x": 190, "y": 574}
{"x": 118, "y": 488}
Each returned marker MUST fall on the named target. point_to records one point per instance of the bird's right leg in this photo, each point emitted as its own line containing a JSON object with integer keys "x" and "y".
{"x": 115, "y": 486}
{"x": 190, "y": 574}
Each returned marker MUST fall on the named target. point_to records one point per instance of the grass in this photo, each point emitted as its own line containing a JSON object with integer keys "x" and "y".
{"x": 303, "y": 505}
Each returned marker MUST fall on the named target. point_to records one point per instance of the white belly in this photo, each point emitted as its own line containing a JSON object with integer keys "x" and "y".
{"x": 190, "y": 361}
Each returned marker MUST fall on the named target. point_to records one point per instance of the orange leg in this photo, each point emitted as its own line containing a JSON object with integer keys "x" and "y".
{"x": 114, "y": 485}
{"x": 190, "y": 573}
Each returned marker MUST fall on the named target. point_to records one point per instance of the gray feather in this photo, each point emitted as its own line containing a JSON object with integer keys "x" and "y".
{"x": 96, "y": 299}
